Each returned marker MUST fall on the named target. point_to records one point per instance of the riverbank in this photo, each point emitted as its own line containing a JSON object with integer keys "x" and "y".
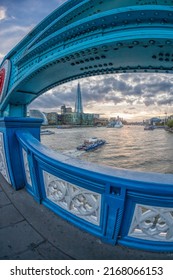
{"x": 64, "y": 126}
{"x": 169, "y": 129}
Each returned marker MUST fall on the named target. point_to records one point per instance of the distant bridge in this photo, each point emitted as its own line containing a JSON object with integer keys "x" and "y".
{"x": 85, "y": 38}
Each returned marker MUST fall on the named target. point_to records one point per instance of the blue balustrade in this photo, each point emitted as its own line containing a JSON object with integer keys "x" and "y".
{"x": 119, "y": 206}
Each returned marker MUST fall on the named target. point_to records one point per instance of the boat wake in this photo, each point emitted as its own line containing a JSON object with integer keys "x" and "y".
{"x": 73, "y": 153}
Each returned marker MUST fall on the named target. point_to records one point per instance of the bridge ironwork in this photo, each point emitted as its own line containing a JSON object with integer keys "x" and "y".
{"x": 80, "y": 39}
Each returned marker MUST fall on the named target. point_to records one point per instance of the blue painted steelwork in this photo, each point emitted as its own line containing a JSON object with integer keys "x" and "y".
{"x": 80, "y": 39}
{"x": 8, "y": 127}
{"x": 86, "y": 38}
{"x": 120, "y": 191}
{"x": 99, "y": 199}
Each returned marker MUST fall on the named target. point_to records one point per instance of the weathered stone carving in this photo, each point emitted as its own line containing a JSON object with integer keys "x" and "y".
{"x": 152, "y": 223}
{"x": 3, "y": 162}
{"x": 79, "y": 201}
{"x": 26, "y": 167}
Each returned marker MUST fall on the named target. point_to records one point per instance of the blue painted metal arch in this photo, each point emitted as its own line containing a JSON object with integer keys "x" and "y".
{"x": 86, "y": 38}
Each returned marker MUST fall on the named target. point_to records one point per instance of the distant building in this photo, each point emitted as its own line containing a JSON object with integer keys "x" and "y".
{"x": 33, "y": 113}
{"x": 101, "y": 121}
{"x": 52, "y": 118}
{"x": 78, "y": 117}
{"x": 69, "y": 119}
{"x": 87, "y": 119}
{"x": 170, "y": 117}
{"x": 65, "y": 110}
{"x": 78, "y": 103}
{"x": 154, "y": 121}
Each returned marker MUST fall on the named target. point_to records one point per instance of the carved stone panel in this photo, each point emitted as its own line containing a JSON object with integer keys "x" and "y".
{"x": 3, "y": 162}
{"x": 152, "y": 223}
{"x": 26, "y": 167}
{"x": 81, "y": 202}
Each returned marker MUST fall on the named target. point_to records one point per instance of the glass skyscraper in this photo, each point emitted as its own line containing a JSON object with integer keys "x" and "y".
{"x": 78, "y": 103}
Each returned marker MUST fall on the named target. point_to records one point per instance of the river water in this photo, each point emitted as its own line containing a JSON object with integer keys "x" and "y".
{"x": 130, "y": 147}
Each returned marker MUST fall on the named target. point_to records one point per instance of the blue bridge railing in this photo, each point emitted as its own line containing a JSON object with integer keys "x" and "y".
{"x": 131, "y": 208}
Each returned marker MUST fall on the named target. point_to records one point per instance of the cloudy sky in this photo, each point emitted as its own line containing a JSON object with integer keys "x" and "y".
{"x": 131, "y": 96}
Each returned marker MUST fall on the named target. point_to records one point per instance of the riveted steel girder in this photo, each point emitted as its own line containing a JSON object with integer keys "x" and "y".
{"x": 87, "y": 38}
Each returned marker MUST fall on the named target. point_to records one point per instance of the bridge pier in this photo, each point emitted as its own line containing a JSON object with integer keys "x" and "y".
{"x": 11, "y": 166}
{"x": 15, "y": 110}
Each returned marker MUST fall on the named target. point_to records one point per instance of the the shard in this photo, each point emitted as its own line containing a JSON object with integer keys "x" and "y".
{"x": 78, "y": 103}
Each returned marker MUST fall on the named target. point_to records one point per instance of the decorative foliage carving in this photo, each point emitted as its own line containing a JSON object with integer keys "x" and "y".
{"x": 3, "y": 163}
{"x": 152, "y": 223}
{"x": 78, "y": 201}
{"x": 26, "y": 167}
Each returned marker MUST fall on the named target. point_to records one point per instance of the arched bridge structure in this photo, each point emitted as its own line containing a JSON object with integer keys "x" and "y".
{"x": 85, "y": 38}
{"x": 88, "y": 37}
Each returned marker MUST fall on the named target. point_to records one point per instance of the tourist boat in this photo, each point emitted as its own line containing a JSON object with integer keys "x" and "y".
{"x": 118, "y": 124}
{"x": 91, "y": 144}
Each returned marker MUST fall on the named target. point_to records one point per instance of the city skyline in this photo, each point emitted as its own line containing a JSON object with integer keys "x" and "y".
{"x": 131, "y": 96}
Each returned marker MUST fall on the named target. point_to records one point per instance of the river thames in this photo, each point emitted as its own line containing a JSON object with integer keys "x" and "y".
{"x": 130, "y": 147}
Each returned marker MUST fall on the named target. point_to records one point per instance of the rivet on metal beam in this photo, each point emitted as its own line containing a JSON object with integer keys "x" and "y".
{"x": 135, "y": 42}
{"x": 152, "y": 42}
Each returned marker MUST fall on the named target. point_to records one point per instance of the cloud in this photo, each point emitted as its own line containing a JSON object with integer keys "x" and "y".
{"x": 3, "y": 14}
{"x": 149, "y": 101}
{"x": 125, "y": 90}
{"x": 11, "y": 36}
{"x": 18, "y": 17}
{"x": 1, "y": 55}
{"x": 11, "y": 30}
{"x": 165, "y": 101}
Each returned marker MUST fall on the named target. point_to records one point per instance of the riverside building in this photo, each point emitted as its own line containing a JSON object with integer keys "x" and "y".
{"x": 78, "y": 117}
